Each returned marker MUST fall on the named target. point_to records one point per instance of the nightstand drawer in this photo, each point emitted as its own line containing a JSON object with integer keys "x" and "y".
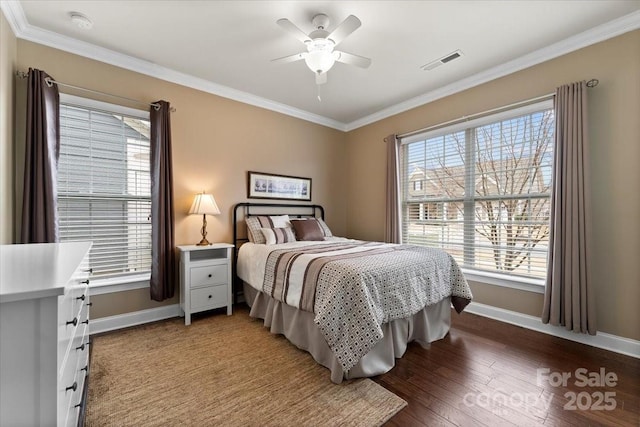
{"x": 209, "y": 275}
{"x": 209, "y": 297}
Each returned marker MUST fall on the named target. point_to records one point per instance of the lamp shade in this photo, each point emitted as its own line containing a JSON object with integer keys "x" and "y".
{"x": 204, "y": 204}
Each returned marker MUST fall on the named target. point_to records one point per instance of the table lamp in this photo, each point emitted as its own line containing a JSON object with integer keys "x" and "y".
{"x": 204, "y": 204}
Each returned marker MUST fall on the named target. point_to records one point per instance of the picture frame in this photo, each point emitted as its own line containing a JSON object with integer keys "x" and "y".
{"x": 262, "y": 185}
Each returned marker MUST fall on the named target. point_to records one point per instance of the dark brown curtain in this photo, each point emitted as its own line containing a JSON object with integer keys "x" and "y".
{"x": 569, "y": 298}
{"x": 162, "y": 222}
{"x": 42, "y": 147}
{"x": 392, "y": 225}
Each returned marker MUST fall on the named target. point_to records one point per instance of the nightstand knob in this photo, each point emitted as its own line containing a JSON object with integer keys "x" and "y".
{"x": 86, "y": 282}
{"x": 81, "y": 298}
{"x": 209, "y": 275}
{"x": 209, "y": 296}
{"x": 74, "y": 387}
{"x": 73, "y": 322}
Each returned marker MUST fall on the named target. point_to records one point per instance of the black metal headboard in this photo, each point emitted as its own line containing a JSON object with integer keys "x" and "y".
{"x": 254, "y": 209}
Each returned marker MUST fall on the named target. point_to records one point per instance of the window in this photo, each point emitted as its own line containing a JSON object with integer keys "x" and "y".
{"x": 104, "y": 185}
{"x": 486, "y": 192}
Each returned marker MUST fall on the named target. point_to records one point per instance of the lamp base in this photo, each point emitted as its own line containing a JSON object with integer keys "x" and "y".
{"x": 203, "y": 231}
{"x": 203, "y": 242}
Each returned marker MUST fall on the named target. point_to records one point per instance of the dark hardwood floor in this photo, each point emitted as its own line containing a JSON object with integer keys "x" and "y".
{"x": 491, "y": 373}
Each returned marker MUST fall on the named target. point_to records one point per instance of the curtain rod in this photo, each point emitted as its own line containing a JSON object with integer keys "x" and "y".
{"x": 590, "y": 83}
{"x": 51, "y": 81}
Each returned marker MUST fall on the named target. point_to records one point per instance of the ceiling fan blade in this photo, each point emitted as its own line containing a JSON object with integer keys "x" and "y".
{"x": 290, "y": 58}
{"x": 321, "y": 78}
{"x": 293, "y": 30}
{"x": 347, "y": 27}
{"x": 351, "y": 59}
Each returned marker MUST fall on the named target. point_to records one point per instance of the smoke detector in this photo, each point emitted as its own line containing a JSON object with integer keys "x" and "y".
{"x": 438, "y": 62}
{"x": 81, "y": 21}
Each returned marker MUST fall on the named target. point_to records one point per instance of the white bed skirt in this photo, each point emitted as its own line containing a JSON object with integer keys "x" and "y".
{"x": 424, "y": 327}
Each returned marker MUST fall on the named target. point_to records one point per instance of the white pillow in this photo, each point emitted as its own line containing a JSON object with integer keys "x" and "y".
{"x": 280, "y": 221}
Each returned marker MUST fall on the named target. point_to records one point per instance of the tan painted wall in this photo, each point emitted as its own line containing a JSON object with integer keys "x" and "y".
{"x": 614, "y": 109}
{"x": 8, "y": 59}
{"x": 215, "y": 142}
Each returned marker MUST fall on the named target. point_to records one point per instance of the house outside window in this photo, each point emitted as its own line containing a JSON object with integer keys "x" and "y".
{"x": 104, "y": 185}
{"x": 486, "y": 192}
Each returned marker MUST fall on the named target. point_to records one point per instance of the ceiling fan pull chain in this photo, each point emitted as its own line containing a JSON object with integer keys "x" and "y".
{"x": 319, "y": 98}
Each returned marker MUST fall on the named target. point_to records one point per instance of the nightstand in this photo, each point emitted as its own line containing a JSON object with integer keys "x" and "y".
{"x": 205, "y": 278}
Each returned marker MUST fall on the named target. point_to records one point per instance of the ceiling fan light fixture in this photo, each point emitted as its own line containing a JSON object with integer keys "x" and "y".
{"x": 319, "y": 62}
{"x": 320, "y": 57}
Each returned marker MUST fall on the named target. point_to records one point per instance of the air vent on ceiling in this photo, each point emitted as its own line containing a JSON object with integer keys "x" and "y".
{"x": 447, "y": 58}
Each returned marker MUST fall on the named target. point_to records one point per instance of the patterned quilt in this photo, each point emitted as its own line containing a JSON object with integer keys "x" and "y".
{"x": 355, "y": 287}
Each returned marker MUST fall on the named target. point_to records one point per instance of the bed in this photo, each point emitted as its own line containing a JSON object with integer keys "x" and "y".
{"x": 353, "y": 305}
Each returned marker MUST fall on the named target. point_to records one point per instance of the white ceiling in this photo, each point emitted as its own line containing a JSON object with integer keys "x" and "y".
{"x": 225, "y": 47}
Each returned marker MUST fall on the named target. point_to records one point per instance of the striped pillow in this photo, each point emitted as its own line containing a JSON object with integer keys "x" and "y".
{"x": 324, "y": 227}
{"x": 278, "y": 235}
{"x": 255, "y": 223}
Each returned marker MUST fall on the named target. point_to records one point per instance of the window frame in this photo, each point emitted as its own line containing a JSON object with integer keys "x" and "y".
{"x": 128, "y": 281}
{"x": 530, "y": 284}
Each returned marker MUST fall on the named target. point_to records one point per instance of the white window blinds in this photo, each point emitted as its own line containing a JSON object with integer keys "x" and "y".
{"x": 484, "y": 192}
{"x": 104, "y": 187}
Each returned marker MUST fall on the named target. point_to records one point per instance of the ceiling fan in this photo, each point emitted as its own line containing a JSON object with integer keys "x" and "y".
{"x": 320, "y": 55}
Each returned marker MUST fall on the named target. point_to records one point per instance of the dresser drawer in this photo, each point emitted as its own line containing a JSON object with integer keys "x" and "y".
{"x": 209, "y": 275}
{"x": 73, "y": 372}
{"x": 209, "y": 297}
{"x": 78, "y": 289}
{"x": 79, "y": 297}
{"x": 67, "y": 379}
{"x": 72, "y": 416}
{"x": 70, "y": 399}
{"x": 67, "y": 325}
{"x": 73, "y": 312}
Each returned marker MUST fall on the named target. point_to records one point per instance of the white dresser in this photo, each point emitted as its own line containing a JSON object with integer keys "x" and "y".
{"x": 205, "y": 278}
{"x": 44, "y": 331}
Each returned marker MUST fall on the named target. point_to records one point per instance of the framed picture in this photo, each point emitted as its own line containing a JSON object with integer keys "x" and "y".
{"x": 270, "y": 186}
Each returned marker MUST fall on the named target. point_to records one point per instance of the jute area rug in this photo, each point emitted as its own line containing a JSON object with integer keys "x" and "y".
{"x": 221, "y": 370}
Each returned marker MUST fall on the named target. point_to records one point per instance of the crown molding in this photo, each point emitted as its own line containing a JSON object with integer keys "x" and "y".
{"x": 594, "y": 35}
{"x": 14, "y": 14}
{"x": 22, "y": 29}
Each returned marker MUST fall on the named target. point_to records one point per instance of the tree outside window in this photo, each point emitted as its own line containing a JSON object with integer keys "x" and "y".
{"x": 486, "y": 197}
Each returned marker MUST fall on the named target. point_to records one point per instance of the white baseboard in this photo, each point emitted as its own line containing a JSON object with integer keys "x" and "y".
{"x": 119, "y": 321}
{"x": 602, "y": 340}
